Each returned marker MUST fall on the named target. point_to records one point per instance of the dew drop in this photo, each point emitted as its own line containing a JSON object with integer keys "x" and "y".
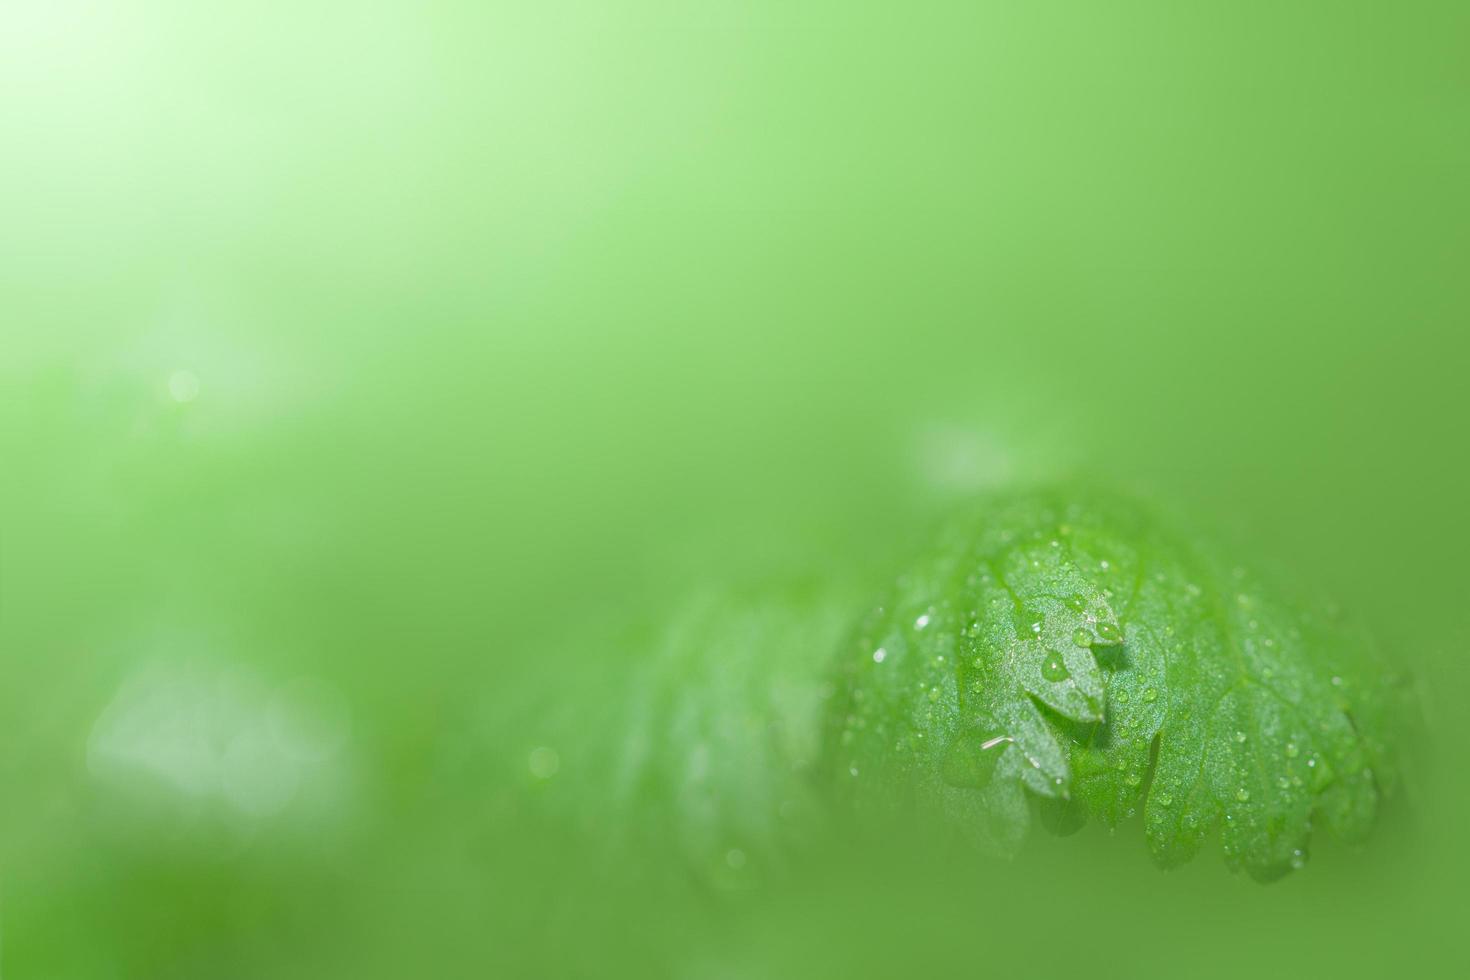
{"x": 1132, "y": 779}
{"x": 1165, "y": 799}
{"x": 1081, "y": 638}
{"x": 1243, "y": 795}
{"x": 1053, "y": 669}
{"x": 1109, "y": 633}
{"x": 1298, "y": 860}
{"x": 921, "y": 622}
{"x": 1150, "y": 695}
{"x": 183, "y": 386}
{"x": 1240, "y": 737}
{"x": 1292, "y": 750}
{"x": 880, "y": 655}
{"x": 1077, "y": 603}
{"x": 1028, "y": 623}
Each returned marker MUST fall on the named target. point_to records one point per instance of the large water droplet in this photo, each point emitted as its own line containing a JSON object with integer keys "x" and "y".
{"x": 183, "y": 385}
{"x": 1053, "y": 669}
{"x": 1109, "y": 633}
{"x": 1028, "y": 623}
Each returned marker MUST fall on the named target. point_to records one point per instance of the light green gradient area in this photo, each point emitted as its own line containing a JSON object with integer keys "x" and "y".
{"x": 382, "y": 381}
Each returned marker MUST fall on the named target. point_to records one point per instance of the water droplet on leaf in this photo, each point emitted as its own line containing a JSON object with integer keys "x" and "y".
{"x": 1053, "y": 669}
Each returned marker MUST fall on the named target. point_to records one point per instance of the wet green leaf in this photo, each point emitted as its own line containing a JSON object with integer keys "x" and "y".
{"x": 1064, "y": 653}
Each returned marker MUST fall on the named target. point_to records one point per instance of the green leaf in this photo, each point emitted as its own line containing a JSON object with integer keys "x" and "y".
{"x": 698, "y": 741}
{"x": 1063, "y": 653}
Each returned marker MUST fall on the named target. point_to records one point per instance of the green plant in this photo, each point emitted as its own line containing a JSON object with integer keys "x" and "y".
{"x": 1063, "y": 654}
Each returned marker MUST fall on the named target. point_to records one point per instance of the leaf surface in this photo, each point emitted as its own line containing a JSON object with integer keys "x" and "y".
{"x": 1064, "y": 655}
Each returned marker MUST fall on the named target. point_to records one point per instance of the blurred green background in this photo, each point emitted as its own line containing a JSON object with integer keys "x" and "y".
{"x": 441, "y": 443}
